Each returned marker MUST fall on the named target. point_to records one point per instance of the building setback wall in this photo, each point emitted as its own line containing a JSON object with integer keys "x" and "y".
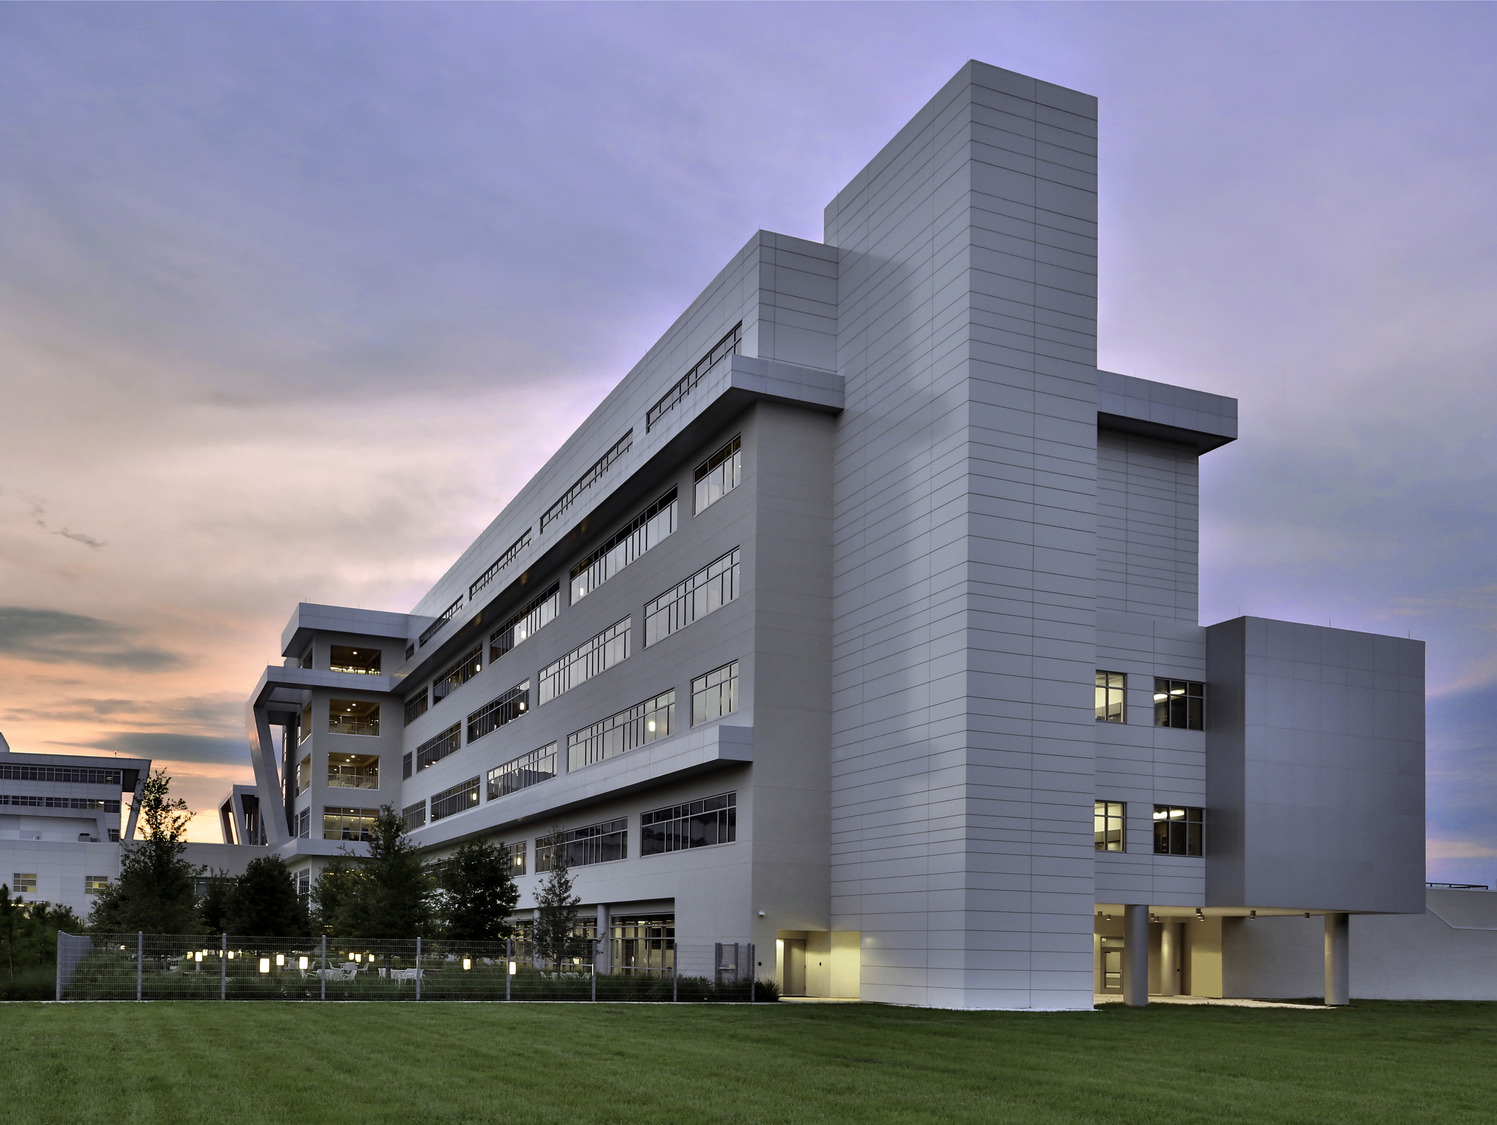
{"x": 964, "y": 542}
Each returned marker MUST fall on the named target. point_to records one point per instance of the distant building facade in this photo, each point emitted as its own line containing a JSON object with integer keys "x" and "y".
{"x": 859, "y": 622}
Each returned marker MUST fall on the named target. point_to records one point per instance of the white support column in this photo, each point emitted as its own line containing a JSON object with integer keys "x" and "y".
{"x": 1136, "y": 955}
{"x": 1337, "y": 944}
{"x": 1170, "y": 950}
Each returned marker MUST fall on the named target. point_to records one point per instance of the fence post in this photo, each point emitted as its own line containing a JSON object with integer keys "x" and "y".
{"x": 594, "y": 944}
{"x": 60, "y": 936}
{"x": 223, "y": 968}
{"x": 753, "y": 975}
{"x": 509, "y": 950}
{"x": 323, "y": 974}
{"x": 418, "y": 968}
{"x": 675, "y": 972}
{"x": 140, "y": 957}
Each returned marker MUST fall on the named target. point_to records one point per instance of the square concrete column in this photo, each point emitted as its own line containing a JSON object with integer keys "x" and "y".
{"x": 1136, "y": 956}
{"x": 1337, "y": 944}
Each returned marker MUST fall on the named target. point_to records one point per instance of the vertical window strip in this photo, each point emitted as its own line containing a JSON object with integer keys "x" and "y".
{"x": 415, "y": 706}
{"x": 1108, "y": 826}
{"x": 706, "y": 591}
{"x": 587, "y": 660}
{"x": 719, "y": 475}
{"x": 714, "y": 694}
{"x": 522, "y": 626}
{"x": 521, "y": 773}
{"x": 643, "y": 532}
{"x": 1111, "y": 704}
{"x": 621, "y": 732}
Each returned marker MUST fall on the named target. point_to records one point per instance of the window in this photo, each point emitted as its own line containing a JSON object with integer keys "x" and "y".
{"x": 710, "y": 588}
{"x": 352, "y": 716}
{"x": 359, "y": 661}
{"x": 348, "y": 824}
{"x": 23, "y": 883}
{"x": 442, "y": 618}
{"x": 587, "y": 479}
{"x": 517, "y": 858}
{"x": 304, "y": 824}
{"x": 683, "y": 386}
{"x": 415, "y": 706}
{"x": 433, "y": 750}
{"x": 1111, "y": 687}
{"x": 454, "y": 799}
{"x": 719, "y": 475}
{"x": 95, "y": 884}
{"x": 70, "y": 775}
{"x": 695, "y": 824}
{"x": 1108, "y": 825}
{"x": 596, "y": 843}
{"x": 587, "y": 660}
{"x": 304, "y": 728}
{"x": 522, "y": 626}
{"x": 1179, "y": 831}
{"x": 523, "y": 772}
{"x": 353, "y": 771}
{"x": 644, "y": 531}
{"x": 414, "y": 815}
{"x": 1179, "y": 703}
{"x": 32, "y": 801}
{"x": 644, "y": 945}
{"x": 715, "y": 694}
{"x": 405, "y": 766}
{"x": 457, "y": 674}
{"x": 303, "y": 775}
{"x": 499, "y": 564}
{"x": 497, "y": 712}
{"x": 304, "y": 884}
{"x": 621, "y": 732}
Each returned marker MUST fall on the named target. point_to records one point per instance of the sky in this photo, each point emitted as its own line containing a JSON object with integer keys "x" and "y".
{"x": 293, "y": 298}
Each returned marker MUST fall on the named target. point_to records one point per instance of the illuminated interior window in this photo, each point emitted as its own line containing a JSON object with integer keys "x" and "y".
{"x": 1111, "y": 688}
{"x": 1108, "y": 819}
{"x": 1179, "y": 703}
{"x": 1179, "y": 830}
{"x": 353, "y": 771}
{"x": 352, "y": 716}
{"x": 360, "y": 661}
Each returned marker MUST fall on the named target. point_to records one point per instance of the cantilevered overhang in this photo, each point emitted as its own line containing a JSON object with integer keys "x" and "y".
{"x": 279, "y": 687}
{"x": 1196, "y": 419}
{"x": 696, "y": 751}
{"x": 310, "y": 618}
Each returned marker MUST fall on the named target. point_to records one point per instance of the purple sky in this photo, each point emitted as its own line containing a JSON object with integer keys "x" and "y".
{"x": 293, "y": 299}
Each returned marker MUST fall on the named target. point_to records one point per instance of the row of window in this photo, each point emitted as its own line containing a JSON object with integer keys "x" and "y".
{"x": 694, "y": 824}
{"x": 699, "y": 595}
{"x": 87, "y": 804}
{"x": 713, "y": 695}
{"x": 1178, "y": 829}
{"x": 67, "y": 775}
{"x": 683, "y": 386}
{"x": 1177, "y": 703}
{"x": 24, "y": 883}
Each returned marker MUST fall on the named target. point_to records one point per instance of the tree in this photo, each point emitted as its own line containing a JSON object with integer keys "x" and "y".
{"x": 479, "y": 892}
{"x": 387, "y": 895}
{"x": 263, "y": 901}
{"x": 213, "y": 907}
{"x": 155, "y": 891}
{"x": 556, "y": 907}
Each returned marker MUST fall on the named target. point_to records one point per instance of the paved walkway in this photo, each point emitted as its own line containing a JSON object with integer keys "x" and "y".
{"x": 1228, "y": 1001}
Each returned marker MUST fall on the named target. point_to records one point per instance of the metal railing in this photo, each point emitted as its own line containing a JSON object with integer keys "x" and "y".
{"x": 233, "y": 967}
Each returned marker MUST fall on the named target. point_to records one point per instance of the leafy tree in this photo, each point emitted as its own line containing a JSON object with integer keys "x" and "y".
{"x": 155, "y": 891}
{"x": 263, "y": 901}
{"x": 556, "y": 908}
{"x": 387, "y": 895}
{"x": 478, "y": 892}
{"x": 213, "y": 907}
{"x": 28, "y": 931}
{"x": 331, "y": 890}
{"x": 12, "y": 915}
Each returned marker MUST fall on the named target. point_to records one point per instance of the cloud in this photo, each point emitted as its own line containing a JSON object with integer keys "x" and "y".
{"x": 1441, "y": 849}
{"x": 161, "y": 747}
{"x": 53, "y": 637}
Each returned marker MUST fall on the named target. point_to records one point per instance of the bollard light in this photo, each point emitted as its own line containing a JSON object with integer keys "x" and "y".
{"x": 198, "y": 957}
{"x": 231, "y": 955}
{"x": 265, "y": 964}
{"x": 359, "y": 957}
{"x": 301, "y": 962}
{"x": 512, "y": 968}
{"x": 280, "y": 960}
{"x": 467, "y": 963}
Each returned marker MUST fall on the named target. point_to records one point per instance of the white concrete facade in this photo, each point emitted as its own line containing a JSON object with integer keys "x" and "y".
{"x": 947, "y": 525}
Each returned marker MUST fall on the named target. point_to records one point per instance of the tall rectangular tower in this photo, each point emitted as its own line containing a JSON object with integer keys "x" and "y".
{"x": 964, "y": 540}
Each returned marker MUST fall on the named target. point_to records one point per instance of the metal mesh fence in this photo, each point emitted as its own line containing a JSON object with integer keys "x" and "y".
{"x": 236, "y": 967}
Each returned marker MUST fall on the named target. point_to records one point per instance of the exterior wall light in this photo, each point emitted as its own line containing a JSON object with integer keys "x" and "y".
{"x": 265, "y": 964}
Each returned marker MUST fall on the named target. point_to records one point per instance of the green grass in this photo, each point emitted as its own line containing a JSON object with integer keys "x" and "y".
{"x": 273, "y": 1062}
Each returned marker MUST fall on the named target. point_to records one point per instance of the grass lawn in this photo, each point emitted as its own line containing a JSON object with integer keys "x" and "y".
{"x": 161, "y": 1063}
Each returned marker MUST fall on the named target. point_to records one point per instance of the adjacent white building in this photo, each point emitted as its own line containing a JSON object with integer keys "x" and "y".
{"x": 859, "y": 622}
